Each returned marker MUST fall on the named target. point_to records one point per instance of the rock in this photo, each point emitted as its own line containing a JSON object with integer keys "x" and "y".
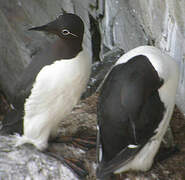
{"x": 120, "y": 28}
{"x": 100, "y": 69}
{"x": 27, "y": 163}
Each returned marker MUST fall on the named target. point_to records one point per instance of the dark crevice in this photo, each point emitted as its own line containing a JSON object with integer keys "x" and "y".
{"x": 100, "y": 69}
{"x": 95, "y": 38}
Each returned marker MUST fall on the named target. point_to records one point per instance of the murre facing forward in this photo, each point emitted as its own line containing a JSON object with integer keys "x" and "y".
{"x": 56, "y": 82}
{"x": 134, "y": 110}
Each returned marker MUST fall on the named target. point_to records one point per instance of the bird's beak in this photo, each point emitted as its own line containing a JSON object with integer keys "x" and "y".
{"x": 50, "y": 27}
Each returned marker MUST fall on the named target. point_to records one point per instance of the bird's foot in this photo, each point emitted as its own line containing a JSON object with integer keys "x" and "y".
{"x": 77, "y": 166}
{"x": 82, "y": 143}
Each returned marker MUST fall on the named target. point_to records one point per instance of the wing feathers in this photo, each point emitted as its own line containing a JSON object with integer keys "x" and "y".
{"x": 127, "y": 154}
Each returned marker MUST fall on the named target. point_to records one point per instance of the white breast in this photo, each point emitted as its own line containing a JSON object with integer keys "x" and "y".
{"x": 56, "y": 91}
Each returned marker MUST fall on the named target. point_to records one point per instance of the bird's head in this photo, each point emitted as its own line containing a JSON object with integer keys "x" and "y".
{"x": 67, "y": 26}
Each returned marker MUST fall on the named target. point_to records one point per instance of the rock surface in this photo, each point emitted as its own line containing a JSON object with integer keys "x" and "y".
{"x": 28, "y": 163}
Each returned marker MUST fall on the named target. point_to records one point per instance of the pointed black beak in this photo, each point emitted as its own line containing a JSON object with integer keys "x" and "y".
{"x": 38, "y": 28}
{"x": 50, "y": 27}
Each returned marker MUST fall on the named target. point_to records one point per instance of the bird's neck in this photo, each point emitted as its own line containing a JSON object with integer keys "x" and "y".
{"x": 68, "y": 49}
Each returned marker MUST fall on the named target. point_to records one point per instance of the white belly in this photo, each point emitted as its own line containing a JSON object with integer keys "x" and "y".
{"x": 56, "y": 91}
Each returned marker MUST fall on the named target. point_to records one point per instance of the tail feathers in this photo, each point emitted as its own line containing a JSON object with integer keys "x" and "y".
{"x": 13, "y": 122}
{"x": 124, "y": 157}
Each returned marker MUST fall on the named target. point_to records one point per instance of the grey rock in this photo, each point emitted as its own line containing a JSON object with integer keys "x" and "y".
{"x": 119, "y": 26}
{"x": 27, "y": 163}
{"x": 100, "y": 69}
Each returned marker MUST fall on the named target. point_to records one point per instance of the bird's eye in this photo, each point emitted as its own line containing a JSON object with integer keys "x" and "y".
{"x": 65, "y": 32}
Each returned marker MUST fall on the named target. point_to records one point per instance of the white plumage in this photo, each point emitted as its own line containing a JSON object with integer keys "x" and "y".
{"x": 56, "y": 91}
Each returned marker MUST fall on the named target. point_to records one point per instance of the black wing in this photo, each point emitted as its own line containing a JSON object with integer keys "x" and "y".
{"x": 46, "y": 56}
{"x": 129, "y": 111}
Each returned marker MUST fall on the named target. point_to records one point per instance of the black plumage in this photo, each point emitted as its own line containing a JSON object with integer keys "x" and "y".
{"x": 129, "y": 111}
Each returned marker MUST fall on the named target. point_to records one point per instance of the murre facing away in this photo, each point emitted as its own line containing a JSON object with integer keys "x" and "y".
{"x": 134, "y": 110}
{"x": 54, "y": 82}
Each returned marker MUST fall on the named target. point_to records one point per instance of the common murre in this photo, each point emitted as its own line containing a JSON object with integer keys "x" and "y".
{"x": 52, "y": 84}
{"x": 134, "y": 110}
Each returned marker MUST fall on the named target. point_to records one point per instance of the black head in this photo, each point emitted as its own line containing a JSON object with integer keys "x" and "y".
{"x": 66, "y": 26}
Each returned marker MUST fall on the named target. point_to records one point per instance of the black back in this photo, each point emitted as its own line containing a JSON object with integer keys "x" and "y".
{"x": 129, "y": 109}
